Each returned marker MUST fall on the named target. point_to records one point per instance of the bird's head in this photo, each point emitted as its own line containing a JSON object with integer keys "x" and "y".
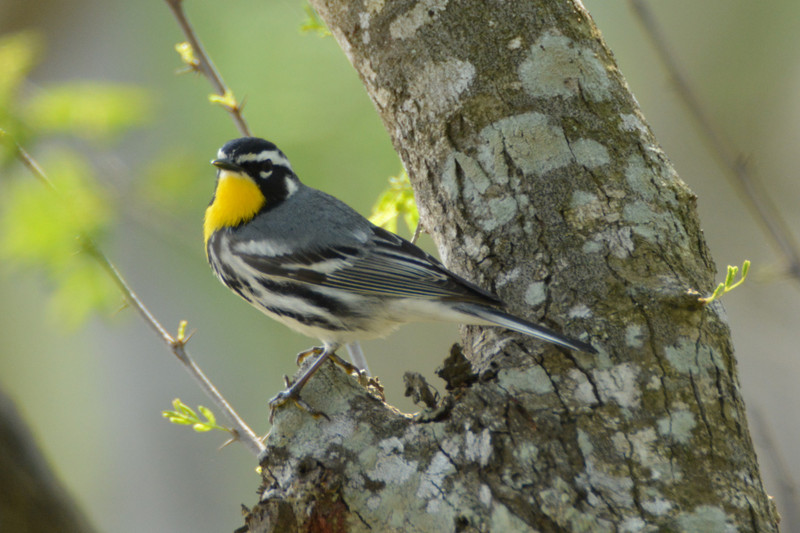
{"x": 253, "y": 175}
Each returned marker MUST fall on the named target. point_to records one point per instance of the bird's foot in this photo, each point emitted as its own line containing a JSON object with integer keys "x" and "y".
{"x": 291, "y": 394}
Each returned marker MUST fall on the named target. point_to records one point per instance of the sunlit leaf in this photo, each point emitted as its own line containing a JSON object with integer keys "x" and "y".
{"x": 206, "y": 412}
{"x": 397, "y": 200}
{"x": 185, "y": 415}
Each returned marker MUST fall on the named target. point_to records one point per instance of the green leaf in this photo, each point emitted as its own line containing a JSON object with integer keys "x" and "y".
{"x": 745, "y": 269}
{"x": 184, "y": 415}
{"x": 184, "y": 409}
{"x": 728, "y": 285}
{"x": 397, "y": 200}
{"x": 206, "y": 412}
{"x": 175, "y": 418}
{"x": 92, "y": 110}
{"x": 732, "y": 271}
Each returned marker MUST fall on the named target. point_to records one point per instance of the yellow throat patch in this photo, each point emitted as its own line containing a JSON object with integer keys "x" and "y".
{"x": 236, "y": 200}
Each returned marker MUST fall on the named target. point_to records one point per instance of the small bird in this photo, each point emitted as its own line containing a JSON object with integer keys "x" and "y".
{"x": 308, "y": 260}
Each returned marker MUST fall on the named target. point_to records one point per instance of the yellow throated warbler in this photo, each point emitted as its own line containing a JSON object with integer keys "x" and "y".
{"x": 311, "y": 262}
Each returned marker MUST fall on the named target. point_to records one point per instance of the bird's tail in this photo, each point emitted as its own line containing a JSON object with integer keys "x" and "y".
{"x": 506, "y": 320}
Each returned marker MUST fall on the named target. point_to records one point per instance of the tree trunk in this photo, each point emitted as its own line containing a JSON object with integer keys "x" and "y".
{"x": 539, "y": 179}
{"x": 32, "y": 500}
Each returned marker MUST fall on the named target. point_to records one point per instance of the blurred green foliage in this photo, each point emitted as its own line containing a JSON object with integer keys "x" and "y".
{"x": 168, "y": 178}
{"x": 89, "y": 109}
{"x": 44, "y": 228}
{"x": 45, "y": 220}
{"x": 19, "y": 53}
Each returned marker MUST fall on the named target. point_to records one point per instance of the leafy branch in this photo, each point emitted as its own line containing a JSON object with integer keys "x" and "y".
{"x": 186, "y": 416}
{"x": 195, "y": 58}
{"x": 729, "y": 284}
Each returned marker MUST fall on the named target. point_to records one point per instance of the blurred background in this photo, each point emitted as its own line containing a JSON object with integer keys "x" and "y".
{"x": 93, "y": 391}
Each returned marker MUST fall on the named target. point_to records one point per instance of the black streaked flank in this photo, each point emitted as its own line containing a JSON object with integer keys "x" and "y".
{"x": 303, "y": 291}
{"x": 307, "y": 320}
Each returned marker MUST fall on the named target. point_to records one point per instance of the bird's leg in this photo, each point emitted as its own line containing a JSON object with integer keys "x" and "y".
{"x": 357, "y": 357}
{"x": 293, "y": 392}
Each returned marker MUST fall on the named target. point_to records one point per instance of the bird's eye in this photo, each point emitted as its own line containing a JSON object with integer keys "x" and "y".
{"x": 265, "y": 169}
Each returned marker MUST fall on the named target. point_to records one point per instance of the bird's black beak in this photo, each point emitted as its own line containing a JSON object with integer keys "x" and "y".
{"x": 226, "y": 164}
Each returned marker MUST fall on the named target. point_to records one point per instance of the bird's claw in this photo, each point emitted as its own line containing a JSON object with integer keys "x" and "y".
{"x": 290, "y": 394}
{"x": 302, "y": 356}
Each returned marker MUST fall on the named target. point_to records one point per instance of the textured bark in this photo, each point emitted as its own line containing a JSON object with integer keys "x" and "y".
{"x": 538, "y": 178}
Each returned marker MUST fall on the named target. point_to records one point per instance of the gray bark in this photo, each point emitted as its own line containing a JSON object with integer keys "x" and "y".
{"x": 538, "y": 178}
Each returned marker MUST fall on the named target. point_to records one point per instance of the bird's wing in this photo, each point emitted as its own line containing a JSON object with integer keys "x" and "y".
{"x": 386, "y": 265}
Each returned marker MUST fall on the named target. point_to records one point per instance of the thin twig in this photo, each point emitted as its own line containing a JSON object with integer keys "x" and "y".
{"x": 206, "y": 66}
{"x": 417, "y": 233}
{"x": 735, "y": 164}
{"x": 241, "y": 431}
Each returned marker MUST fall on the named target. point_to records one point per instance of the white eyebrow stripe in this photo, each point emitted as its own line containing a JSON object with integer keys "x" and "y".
{"x": 275, "y": 156}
